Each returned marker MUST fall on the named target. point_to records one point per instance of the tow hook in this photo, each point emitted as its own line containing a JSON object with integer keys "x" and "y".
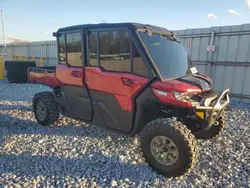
{"x": 216, "y": 123}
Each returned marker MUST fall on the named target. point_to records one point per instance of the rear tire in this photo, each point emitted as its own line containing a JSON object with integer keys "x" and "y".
{"x": 177, "y": 136}
{"x": 215, "y": 130}
{"x": 45, "y": 108}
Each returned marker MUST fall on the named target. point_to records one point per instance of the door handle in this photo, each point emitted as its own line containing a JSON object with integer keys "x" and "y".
{"x": 76, "y": 74}
{"x": 128, "y": 81}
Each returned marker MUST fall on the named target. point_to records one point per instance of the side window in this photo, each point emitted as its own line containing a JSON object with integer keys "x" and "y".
{"x": 74, "y": 49}
{"x": 61, "y": 49}
{"x": 139, "y": 66}
{"x": 115, "y": 51}
{"x": 93, "y": 56}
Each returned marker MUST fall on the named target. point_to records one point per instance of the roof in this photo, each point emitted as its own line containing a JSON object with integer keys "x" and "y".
{"x": 133, "y": 26}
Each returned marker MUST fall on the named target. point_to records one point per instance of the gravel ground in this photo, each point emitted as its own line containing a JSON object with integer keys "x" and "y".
{"x": 73, "y": 153}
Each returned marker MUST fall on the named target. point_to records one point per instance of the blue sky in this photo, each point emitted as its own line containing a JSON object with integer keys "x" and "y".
{"x": 35, "y": 20}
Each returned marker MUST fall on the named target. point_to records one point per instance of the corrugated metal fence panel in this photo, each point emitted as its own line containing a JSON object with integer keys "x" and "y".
{"x": 232, "y": 43}
{"x": 1, "y": 50}
{"x": 20, "y": 49}
{"x": 37, "y": 49}
{"x": 201, "y": 68}
{"x": 244, "y": 49}
{"x": 202, "y": 56}
{"x": 52, "y": 49}
{"x": 246, "y": 84}
{"x": 234, "y": 77}
{"x": 8, "y": 50}
{"x": 52, "y": 53}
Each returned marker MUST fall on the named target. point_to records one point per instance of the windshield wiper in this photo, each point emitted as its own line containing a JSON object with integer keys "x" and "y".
{"x": 169, "y": 38}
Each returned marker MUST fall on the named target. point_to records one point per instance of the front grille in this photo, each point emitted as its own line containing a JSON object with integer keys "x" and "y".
{"x": 211, "y": 94}
{"x": 196, "y": 98}
{"x": 209, "y": 98}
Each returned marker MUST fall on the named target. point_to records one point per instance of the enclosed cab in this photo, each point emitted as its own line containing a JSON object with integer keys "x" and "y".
{"x": 136, "y": 79}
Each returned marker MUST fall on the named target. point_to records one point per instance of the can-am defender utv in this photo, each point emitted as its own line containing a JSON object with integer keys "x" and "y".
{"x": 136, "y": 79}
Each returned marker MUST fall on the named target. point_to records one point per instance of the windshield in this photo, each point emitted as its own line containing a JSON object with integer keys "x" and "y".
{"x": 169, "y": 56}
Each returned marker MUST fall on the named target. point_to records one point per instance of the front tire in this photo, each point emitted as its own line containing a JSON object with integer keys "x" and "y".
{"x": 176, "y": 153}
{"x": 45, "y": 108}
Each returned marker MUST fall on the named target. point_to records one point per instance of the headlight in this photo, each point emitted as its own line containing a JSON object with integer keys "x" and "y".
{"x": 173, "y": 98}
{"x": 182, "y": 96}
{"x": 160, "y": 92}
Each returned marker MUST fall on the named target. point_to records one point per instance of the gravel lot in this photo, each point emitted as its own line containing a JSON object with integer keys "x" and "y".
{"x": 73, "y": 153}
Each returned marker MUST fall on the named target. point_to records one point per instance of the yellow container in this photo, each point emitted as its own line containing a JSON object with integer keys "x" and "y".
{"x": 1, "y": 69}
{"x": 41, "y": 62}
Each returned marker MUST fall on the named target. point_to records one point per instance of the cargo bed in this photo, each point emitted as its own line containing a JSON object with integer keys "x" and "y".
{"x": 44, "y": 75}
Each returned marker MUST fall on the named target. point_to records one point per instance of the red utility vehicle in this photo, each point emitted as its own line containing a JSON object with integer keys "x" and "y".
{"x": 135, "y": 79}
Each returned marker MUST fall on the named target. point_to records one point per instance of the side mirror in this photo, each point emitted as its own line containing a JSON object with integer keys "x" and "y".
{"x": 55, "y": 34}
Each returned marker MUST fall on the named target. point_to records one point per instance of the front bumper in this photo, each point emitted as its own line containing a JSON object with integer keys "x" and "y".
{"x": 213, "y": 111}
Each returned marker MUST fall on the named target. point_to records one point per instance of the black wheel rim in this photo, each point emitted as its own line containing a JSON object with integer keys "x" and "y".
{"x": 41, "y": 111}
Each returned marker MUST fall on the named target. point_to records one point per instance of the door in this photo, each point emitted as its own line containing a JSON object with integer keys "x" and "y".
{"x": 70, "y": 71}
{"x": 115, "y": 75}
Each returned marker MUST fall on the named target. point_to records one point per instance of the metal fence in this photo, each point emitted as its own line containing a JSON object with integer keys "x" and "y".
{"x": 221, "y": 52}
{"x": 45, "y": 51}
{"x": 231, "y": 43}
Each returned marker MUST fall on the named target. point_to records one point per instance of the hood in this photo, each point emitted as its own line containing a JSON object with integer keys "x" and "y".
{"x": 189, "y": 84}
{"x": 176, "y": 85}
{"x": 204, "y": 83}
